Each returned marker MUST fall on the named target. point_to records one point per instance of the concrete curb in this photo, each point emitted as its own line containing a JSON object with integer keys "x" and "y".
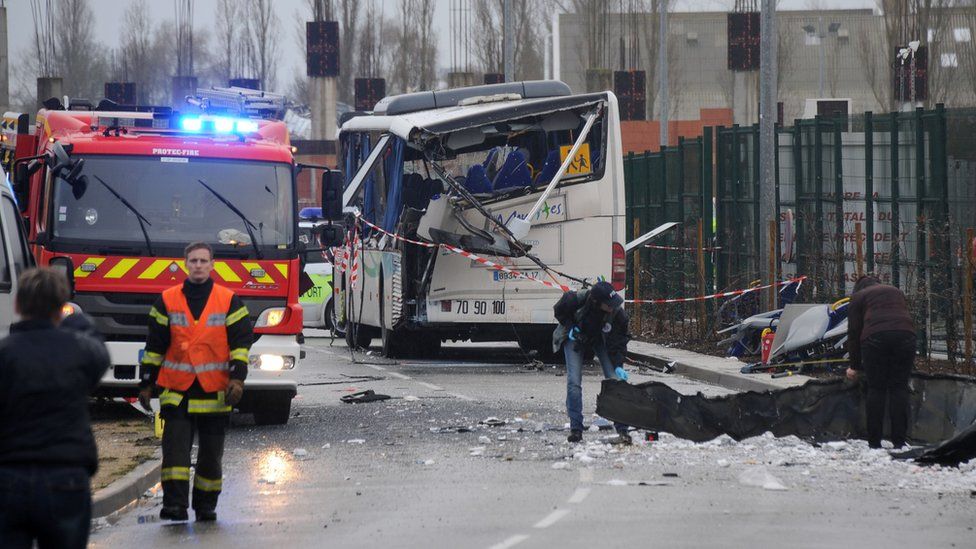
{"x": 127, "y": 489}
{"x": 710, "y": 369}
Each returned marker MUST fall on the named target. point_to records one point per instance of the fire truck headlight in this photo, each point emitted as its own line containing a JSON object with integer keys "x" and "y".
{"x": 223, "y": 125}
{"x": 270, "y": 317}
{"x": 271, "y": 362}
{"x": 247, "y": 126}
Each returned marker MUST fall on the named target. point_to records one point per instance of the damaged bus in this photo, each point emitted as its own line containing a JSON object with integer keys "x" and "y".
{"x": 469, "y": 211}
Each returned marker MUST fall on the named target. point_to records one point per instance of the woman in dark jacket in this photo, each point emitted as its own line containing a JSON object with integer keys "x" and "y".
{"x": 881, "y": 342}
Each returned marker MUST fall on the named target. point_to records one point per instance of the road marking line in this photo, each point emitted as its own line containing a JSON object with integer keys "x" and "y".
{"x": 579, "y": 495}
{"x": 463, "y": 397}
{"x": 510, "y": 542}
{"x": 399, "y": 376}
{"x": 553, "y": 518}
{"x": 430, "y": 386}
{"x": 375, "y": 367}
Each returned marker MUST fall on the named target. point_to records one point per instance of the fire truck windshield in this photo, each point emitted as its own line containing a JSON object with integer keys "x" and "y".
{"x": 177, "y": 207}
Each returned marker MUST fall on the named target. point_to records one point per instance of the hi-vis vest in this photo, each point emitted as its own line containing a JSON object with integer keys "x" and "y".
{"x": 198, "y": 348}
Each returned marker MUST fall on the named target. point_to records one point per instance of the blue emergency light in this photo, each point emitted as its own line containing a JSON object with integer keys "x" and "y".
{"x": 220, "y": 124}
{"x": 310, "y": 213}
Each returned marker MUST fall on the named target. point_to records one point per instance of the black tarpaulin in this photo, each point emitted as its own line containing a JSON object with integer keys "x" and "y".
{"x": 942, "y": 407}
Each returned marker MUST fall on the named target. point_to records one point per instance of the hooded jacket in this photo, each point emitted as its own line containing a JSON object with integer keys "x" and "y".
{"x": 875, "y": 308}
{"x": 46, "y": 376}
{"x": 571, "y": 310}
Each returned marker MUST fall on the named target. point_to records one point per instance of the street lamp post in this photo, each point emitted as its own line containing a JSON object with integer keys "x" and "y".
{"x": 821, "y": 35}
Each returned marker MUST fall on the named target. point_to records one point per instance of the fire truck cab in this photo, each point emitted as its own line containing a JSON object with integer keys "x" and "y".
{"x": 111, "y": 195}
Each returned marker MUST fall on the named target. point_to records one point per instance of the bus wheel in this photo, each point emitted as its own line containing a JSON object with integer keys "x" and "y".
{"x": 418, "y": 345}
{"x": 391, "y": 347}
{"x": 358, "y": 336}
{"x": 432, "y": 346}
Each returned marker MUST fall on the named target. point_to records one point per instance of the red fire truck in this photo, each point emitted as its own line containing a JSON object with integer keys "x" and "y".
{"x": 112, "y": 194}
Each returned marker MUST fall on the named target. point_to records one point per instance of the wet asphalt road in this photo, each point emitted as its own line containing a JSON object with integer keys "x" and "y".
{"x": 398, "y": 473}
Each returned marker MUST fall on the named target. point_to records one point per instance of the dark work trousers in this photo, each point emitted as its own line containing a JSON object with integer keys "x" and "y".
{"x": 49, "y": 504}
{"x": 887, "y": 359}
{"x": 178, "y": 431}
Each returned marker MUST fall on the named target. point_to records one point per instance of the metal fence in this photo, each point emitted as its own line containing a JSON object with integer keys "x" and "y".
{"x": 891, "y": 194}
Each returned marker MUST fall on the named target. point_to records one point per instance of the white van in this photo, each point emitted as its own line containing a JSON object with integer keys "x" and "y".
{"x": 316, "y": 302}
{"x": 14, "y": 257}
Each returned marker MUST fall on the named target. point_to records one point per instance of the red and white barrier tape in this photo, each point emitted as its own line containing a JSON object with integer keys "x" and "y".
{"x": 355, "y": 255}
{"x": 486, "y": 262}
{"x": 396, "y": 236}
{"x": 718, "y": 295}
{"x": 680, "y": 249}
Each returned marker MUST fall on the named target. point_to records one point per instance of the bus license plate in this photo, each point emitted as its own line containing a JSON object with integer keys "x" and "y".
{"x": 479, "y": 307}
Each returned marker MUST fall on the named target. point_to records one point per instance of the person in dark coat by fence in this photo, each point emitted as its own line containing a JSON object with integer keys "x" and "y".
{"x": 48, "y": 368}
{"x": 881, "y": 343}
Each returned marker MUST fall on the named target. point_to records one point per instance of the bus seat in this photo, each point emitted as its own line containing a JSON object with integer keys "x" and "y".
{"x": 549, "y": 169}
{"x": 477, "y": 182}
{"x": 415, "y": 191}
{"x": 490, "y": 158}
{"x": 514, "y": 172}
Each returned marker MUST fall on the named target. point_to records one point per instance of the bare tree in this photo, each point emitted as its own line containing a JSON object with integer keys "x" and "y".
{"x": 904, "y": 21}
{"x": 486, "y": 40}
{"x": 966, "y": 51}
{"x": 411, "y": 61}
{"x": 368, "y": 56}
{"x": 145, "y": 56}
{"x": 228, "y": 34}
{"x": 80, "y": 60}
{"x": 348, "y": 35}
{"x": 260, "y": 41}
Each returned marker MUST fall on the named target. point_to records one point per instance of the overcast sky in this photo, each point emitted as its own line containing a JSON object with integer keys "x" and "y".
{"x": 108, "y": 16}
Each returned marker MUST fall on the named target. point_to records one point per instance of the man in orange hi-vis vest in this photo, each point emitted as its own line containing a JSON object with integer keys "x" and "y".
{"x": 197, "y": 354}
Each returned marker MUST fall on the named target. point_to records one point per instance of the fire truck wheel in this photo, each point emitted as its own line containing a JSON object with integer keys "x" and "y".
{"x": 272, "y": 409}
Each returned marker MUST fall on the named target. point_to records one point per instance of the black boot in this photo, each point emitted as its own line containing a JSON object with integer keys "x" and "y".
{"x": 575, "y": 436}
{"x": 174, "y": 513}
{"x": 208, "y": 515}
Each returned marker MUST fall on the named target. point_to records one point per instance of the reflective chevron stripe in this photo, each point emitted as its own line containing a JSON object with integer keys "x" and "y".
{"x": 224, "y": 271}
{"x": 266, "y": 279}
{"x": 121, "y": 268}
{"x": 155, "y": 269}
{"x": 96, "y": 261}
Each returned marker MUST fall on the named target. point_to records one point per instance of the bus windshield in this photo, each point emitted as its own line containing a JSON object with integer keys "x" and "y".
{"x": 176, "y": 206}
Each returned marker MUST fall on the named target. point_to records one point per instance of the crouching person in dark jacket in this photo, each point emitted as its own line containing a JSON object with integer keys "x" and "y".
{"x": 590, "y": 320}
{"x": 47, "y": 450}
{"x": 881, "y": 342}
